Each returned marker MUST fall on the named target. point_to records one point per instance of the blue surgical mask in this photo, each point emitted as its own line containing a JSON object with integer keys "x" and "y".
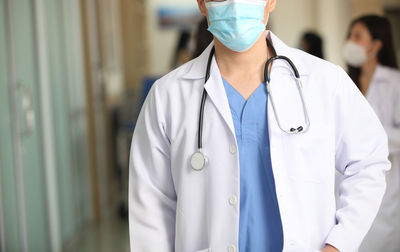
{"x": 236, "y": 23}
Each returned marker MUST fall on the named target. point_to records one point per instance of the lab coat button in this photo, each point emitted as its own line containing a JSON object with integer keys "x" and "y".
{"x": 232, "y": 149}
{"x": 233, "y": 200}
{"x": 232, "y": 248}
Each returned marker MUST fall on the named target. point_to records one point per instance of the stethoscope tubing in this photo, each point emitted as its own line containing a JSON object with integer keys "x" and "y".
{"x": 198, "y": 159}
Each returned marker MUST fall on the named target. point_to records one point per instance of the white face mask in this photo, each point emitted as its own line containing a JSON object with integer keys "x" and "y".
{"x": 355, "y": 55}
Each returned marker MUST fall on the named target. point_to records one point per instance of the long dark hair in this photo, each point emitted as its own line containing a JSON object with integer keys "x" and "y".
{"x": 380, "y": 29}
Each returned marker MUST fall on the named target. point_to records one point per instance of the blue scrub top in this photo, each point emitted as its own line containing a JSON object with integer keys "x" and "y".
{"x": 260, "y": 227}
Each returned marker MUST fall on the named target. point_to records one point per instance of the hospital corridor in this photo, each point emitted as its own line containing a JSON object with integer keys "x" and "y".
{"x": 75, "y": 74}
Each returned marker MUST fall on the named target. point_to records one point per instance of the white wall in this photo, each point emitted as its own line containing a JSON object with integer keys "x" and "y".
{"x": 291, "y": 18}
{"x": 333, "y": 19}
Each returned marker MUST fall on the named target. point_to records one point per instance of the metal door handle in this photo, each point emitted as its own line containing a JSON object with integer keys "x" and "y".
{"x": 28, "y": 110}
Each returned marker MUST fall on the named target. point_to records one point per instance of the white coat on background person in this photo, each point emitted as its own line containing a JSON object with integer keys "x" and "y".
{"x": 370, "y": 55}
{"x": 175, "y": 208}
{"x": 384, "y": 96}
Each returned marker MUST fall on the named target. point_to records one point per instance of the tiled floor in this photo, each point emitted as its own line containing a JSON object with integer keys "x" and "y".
{"x": 107, "y": 236}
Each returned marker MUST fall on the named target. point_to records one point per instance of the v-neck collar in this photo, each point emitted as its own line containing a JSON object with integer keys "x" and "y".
{"x": 236, "y": 101}
{"x": 233, "y": 90}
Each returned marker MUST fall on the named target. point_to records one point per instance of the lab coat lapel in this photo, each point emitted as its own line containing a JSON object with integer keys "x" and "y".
{"x": 216, "y": 93}
{"x": 214, "y": 86}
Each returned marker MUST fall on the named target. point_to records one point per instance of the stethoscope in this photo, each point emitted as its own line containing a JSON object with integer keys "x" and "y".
{"x": 199, "y": 160}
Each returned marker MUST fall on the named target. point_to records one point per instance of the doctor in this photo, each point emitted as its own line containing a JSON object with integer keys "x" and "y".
{"x": 219, "y": 163}
{"x": 370, "y": 54}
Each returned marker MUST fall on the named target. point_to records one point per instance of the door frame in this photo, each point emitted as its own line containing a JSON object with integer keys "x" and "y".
{"x": 47, "y": 129}
{"x": 17, "y": 153}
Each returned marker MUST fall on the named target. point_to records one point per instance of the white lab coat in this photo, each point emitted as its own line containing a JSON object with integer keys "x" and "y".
{"x": 174, "y": 208}
{"x": 384, "y": 97}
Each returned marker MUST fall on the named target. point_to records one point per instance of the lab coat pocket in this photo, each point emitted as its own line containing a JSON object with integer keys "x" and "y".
{"x": 310, "y": 156}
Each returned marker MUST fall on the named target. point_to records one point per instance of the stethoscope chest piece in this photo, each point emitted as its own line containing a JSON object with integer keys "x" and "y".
{"x": 198, "y": 161}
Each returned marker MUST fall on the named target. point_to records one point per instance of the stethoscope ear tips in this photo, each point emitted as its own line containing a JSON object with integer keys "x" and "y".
{"x": 299, "y": 129}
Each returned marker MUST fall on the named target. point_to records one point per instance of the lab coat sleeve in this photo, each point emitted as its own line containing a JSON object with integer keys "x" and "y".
{"x": 362, "y": 157}
{"x": 393, "y": 131}
{"x": 152, "y": 197}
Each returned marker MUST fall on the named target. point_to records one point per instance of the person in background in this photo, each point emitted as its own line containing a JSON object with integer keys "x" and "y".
{"x": 370, "y": 55}
{"x": 312, "y": 43}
